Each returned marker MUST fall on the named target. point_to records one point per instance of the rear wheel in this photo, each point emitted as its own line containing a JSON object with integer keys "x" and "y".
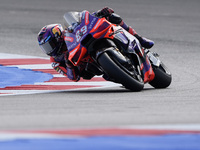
{"x": 119, "y": 73}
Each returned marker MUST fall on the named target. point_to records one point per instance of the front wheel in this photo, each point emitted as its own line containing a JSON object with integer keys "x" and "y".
{"x": 116, "y": 71}
{"x": 162, "y": 78}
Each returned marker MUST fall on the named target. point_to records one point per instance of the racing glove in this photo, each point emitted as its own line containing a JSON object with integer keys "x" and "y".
{"x": 105, "y": 12}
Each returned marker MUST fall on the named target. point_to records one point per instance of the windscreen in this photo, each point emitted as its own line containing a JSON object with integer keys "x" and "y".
{"x": 70, "y": 18}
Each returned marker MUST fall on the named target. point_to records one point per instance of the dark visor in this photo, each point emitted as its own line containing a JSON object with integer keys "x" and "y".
{"x": 49, "y": 46}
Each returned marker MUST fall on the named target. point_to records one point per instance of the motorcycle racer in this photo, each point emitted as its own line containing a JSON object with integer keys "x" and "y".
{"x": 51, "y": 41}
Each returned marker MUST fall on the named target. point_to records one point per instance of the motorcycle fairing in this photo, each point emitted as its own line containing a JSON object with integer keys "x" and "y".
{"x": 88, "y": 25}
{"x": 85, "y": 25}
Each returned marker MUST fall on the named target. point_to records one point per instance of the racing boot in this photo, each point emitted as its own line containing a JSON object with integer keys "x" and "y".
{"x": 146, "y": 43}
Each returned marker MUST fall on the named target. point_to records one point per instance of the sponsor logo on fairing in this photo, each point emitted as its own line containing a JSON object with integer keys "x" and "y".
{"x": 92, "y": 22}
{"x": 70, "y": 39}
{"x": 87, "y": 18}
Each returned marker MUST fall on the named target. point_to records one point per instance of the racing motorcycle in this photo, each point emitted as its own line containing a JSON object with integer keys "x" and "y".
{"x": 103, "y": 48}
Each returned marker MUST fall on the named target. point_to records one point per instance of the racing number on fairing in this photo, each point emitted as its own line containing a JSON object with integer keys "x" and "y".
{"x": 80, "y": 33}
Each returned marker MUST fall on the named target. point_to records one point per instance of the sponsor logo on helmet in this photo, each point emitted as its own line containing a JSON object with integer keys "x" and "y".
{"x": 56, "y": 30}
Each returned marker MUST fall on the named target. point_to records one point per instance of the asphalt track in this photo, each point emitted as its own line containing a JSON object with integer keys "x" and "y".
{"x": 173, "y": 25}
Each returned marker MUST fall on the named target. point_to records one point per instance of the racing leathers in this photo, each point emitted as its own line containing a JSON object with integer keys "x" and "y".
{"x": 63, "y": 66}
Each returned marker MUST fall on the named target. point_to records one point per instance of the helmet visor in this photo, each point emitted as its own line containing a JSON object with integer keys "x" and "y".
{"x": 49, "y": 47}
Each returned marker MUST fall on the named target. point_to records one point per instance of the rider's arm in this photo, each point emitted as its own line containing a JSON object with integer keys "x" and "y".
{"x": 65, "y": 70}
{"x": 104, "y": 12}
{"x": 114, "y": 18}
{"x": 109, "y": 14}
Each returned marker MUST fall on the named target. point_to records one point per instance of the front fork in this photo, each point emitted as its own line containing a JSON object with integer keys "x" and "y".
{"x": 147, "y": 60}
{"x": 153, "y": 57}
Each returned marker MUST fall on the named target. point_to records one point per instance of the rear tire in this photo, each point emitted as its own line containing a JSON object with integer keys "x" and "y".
{"x": 118, "y": 74}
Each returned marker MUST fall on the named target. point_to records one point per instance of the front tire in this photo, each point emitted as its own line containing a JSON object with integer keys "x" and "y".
{"x": 116, "y": 72}
{"x": 162, "y": 78}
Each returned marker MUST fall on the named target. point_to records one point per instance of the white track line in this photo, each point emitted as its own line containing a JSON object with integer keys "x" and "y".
{"x": 102, "y": 83}
{"x": 38, "y": 66}
{"x": 17, "y": 56}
